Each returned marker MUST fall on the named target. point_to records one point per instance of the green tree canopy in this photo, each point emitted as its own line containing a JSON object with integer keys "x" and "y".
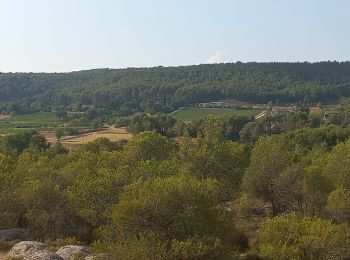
{"x": 180, "y": 213}
{"x": 294, "y": 237}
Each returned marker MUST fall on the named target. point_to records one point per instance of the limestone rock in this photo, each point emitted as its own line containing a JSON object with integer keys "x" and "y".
{"x": 68, "y": 252}
{"x": 32, "y": 250}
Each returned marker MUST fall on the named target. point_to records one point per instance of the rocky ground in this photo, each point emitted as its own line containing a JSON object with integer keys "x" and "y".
{"x": 33, "y": 250}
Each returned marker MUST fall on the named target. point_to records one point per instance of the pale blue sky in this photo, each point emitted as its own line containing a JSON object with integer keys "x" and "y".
{"x": 66, "y": 35}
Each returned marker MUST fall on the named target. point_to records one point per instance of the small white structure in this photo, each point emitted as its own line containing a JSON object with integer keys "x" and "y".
{"x": 216, "y": 104}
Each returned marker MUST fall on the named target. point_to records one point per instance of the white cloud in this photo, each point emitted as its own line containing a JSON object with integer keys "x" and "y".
{"x": 217, "y": 57}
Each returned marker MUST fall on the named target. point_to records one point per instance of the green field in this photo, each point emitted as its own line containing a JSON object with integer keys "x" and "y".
{"x": 37, "y": 121}
{"x": 192, "y": 113}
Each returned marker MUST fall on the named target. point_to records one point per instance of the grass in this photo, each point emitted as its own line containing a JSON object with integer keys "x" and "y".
{"x": 37, "y": 121}
{"x": 192, "y": 113}
{"x": 6, "y": 245}
{"x": 46, "y": 122}
{"x": 113, "y": 134}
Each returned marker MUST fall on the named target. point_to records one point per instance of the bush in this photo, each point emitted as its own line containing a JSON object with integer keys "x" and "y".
{"x": 60, "y": 242}
{"x": 177, "y": 214}
{"x": 6, "y": 245}
{"x": 294, "y": 237}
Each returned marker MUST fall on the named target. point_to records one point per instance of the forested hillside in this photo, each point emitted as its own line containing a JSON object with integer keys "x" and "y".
{"x": 163, "y": 89}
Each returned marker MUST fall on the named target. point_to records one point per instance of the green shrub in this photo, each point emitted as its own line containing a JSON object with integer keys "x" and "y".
{"x": 294, "y": 237}
{"x": 5, "y": 245}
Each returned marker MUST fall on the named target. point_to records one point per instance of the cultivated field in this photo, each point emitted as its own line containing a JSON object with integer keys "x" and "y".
{"x": 37, "y": 121}
{"x": 192, "y": 113}
{"x": 46, "y": 122}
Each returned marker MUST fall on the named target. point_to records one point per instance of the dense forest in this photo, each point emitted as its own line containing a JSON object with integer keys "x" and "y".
{"x": 163, "y": 89}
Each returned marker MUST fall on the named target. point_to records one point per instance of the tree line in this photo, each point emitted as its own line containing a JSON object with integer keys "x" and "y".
{"x": 164, "y": 89}
{"x": 242, "y": 129}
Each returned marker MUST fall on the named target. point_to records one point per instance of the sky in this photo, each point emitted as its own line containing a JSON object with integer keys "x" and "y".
{"x": 71, "y": 35}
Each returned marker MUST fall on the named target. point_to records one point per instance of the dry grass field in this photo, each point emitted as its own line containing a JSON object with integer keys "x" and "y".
{"x": 113, "y": 134}
{"x": 73, "y": 142}
{"x": 2, "y": 116}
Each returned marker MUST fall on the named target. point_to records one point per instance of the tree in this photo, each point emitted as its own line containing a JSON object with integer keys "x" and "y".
{"x": 102, "y": 144}
{"x": 179, "y": 128}
{"x": 294, "y": 237}
{"x": 287, "y": 194}
{"x": 39, "y": 143}
{"x": 9, "y": 208}
{"x": 148, "y": 145}
{"x": 159, "y": 88}
{"x": 213, "y": 129}
{"x": 338, "y": 167}
{"x": 270, "y": 157}
{"x": 209, "y": 156}
{"x": 91, "y": 113}
{"x": 18, "y": 142}
{"x": 338, "y": 205}
{"x": 61, "y": 113}
{"x": 335, "y": 119}
{"x": 250, "y": 132}
{"x": 316, "y": 120}
{"x": 15, "y": 143}
{"x": 233, "y": 126}
{"x": 224, "y": 161}
{"x": 92, "y": 193}
{"x": 294, "y": 120}
{"x": 179, "y": 214}
{"x": 59, "y": 133}
{"x": 316, "y": 183}
{"x": 42, "y": 202}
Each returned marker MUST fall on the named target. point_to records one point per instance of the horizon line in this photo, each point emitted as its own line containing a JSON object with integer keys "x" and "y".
{"x": 173, "y": 66}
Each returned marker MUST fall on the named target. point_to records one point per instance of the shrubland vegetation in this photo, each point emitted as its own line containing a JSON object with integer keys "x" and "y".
{"x": 283, "y": 197}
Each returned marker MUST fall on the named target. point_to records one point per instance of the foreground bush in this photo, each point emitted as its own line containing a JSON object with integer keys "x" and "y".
{"x": 293, "y": 237}
{"x": 176, "y": 217}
